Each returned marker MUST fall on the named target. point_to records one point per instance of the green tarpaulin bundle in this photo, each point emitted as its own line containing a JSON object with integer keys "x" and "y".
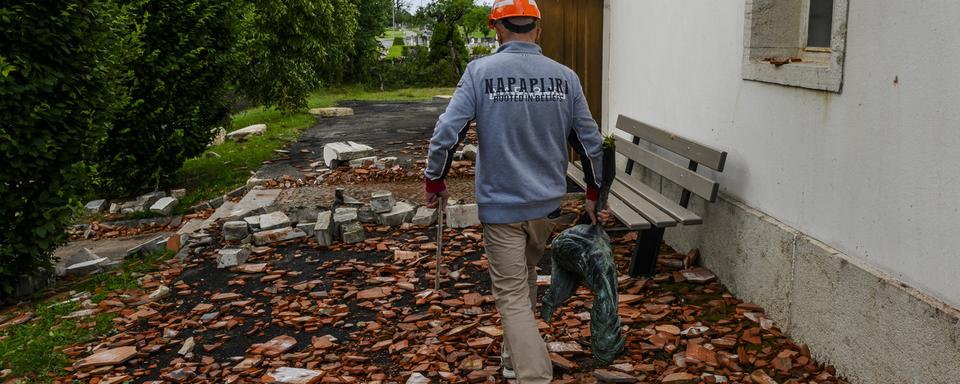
{"x": 582, "y": 254}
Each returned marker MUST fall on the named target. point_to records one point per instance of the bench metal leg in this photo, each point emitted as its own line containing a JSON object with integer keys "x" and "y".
{"x": 644, "y": 261}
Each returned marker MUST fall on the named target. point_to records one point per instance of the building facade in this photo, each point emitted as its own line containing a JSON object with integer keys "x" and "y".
{"x": 840, "y": 194}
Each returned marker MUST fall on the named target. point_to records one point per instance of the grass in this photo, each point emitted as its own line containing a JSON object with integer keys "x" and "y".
{"x": 395, "y": 52}
{"x": 35, "y": 349}
{"x": 392, "y": 33}
{"x": 207, "y": 176}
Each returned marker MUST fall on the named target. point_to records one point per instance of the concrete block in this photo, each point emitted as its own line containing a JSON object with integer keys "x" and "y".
{"x": 277, "y": 235}
{"x": 235, "y": 230}
{"x": 178, "y": 193}
{"x": 470, "y": 152}
{"x": 365, "y": 214}
{"x": 363, "y": 162}
{"x": 253, "y": 203}
{"x": 149, "y": 246}
{"x": 344, "y": 152}
{"x": 233, "y": 256}
{"x": 324, "y": 228}
{"x": 245, "y": 133}
{"x": 132, "y": 206}
{"x": 114, "y": 208}
{"x": 400, "y": 213}
{"x": 95, "y": 207}
{"x": 331, "y": 112}
{"x": 425, "y": 216}
{"x": 307, "y": 228}
{"x": 387, "y": 162}
{"x": 86, "y": 267}
{"x": 146, "y": 201}
{"x": 253, "y": 222}
{"x": 382, "y": 201}
{"x": 274, "y": 220}
{"x": 164, "y": 205}
{"x": 462, "y": 216}
{"x": 216, "y": 202}
{"x": 343, "y": 216}
{"x": 352, "y": 233}
{"x": 303, "y": 214}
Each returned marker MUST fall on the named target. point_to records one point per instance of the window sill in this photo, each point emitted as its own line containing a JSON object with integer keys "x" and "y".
{"x": 824, "y": 76}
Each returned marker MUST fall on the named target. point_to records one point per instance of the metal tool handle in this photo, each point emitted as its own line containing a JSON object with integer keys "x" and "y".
{"x": 440, "y": 207}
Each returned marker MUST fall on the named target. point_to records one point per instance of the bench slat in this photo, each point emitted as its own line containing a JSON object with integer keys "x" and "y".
{"x": 684, "y": 147}
{"x": 685, "y": 216}
{"x": 686, "y": 178}
{"x": 628, "y": 216}
{"x": 654, "y": 215}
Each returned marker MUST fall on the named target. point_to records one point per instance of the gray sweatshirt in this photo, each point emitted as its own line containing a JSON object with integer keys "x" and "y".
{"x": 528, "y": 108}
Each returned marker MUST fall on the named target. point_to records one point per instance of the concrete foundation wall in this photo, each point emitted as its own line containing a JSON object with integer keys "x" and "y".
{"x": 870, "y": 326}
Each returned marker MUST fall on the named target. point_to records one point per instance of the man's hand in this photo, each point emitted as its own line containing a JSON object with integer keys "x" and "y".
{"x": 591, "y": 207}
{"x": 436, "y": 193}
{"x": 437, "y": 199}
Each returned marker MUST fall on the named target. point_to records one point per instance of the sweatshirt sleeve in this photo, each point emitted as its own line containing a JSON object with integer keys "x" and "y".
{"x": 586, "y": 141}
{"x": 451, "y": 129}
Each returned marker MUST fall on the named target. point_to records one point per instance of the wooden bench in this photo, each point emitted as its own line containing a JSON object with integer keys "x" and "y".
{"x": 639, "y": 206}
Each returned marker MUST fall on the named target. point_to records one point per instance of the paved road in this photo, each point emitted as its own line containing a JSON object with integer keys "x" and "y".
{"x": 389, "y": 127}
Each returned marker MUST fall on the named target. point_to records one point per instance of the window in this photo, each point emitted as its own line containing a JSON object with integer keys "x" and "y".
{"x": 796, "y": 43}
{"x": 819, "y": 23}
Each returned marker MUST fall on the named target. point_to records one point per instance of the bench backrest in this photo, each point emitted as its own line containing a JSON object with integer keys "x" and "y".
{"x": 686, "y": 177}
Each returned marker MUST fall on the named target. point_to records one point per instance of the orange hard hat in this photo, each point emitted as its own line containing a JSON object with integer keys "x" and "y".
{"x": 503, "y": 9}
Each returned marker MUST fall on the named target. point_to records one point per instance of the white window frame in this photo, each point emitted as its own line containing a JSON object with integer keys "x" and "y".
{"x": 794, "y": 64}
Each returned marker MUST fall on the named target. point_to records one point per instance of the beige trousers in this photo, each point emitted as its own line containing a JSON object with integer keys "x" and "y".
{"x": 513, "y": 252}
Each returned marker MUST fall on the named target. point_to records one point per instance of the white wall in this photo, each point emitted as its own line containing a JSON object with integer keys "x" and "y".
{"x": 873, "y": 171}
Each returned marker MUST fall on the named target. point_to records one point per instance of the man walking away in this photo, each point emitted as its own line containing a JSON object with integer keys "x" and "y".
{"x": 528, "y": 108}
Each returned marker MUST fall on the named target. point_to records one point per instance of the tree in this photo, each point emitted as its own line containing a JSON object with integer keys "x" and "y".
{"x": 447, "y": 43}
{"x": 476, "y": 20}
{"x": 56, "y": 90}
{"x": 180, "y": 65}
{"x": 372, "y": 20}
{"x": 290, "y": 44}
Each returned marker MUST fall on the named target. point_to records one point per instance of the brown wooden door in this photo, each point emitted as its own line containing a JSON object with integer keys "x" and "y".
{"x": 573, "y": 35}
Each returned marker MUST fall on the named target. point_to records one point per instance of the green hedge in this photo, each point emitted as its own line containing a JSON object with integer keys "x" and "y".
{"x": 56, "y": 89}
{"x": 180, "y": 59}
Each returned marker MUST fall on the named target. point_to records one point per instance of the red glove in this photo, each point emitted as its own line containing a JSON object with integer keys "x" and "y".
{"x": 436, "y": 193}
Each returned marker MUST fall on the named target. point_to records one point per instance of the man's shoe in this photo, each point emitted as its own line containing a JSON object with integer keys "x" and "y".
{"x": 509, "y": 373}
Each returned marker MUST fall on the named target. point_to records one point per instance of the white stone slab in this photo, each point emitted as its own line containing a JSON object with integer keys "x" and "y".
{"x": 344, "y": 152}
{"x": 244, "y": 133}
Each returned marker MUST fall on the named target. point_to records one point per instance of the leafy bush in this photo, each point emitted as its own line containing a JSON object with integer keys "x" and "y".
{"x": 481, "y": 50}
{"x": 180, "y": 59}
{"x": 56, "y": 89}
{"x": 415, "y": 70}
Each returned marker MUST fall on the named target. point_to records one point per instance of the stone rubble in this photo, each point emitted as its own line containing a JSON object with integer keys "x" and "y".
{"x": 462, "y": 215}
{"x": 331, "y": 112}
{"x": 164, "y": 205}
{"x": 246, "y": 132}
{"x": 232, "y": 257}
{"x": 235, "y": 230}
{"x": 382, "y": 201}
{"x": 343, "y": 152}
